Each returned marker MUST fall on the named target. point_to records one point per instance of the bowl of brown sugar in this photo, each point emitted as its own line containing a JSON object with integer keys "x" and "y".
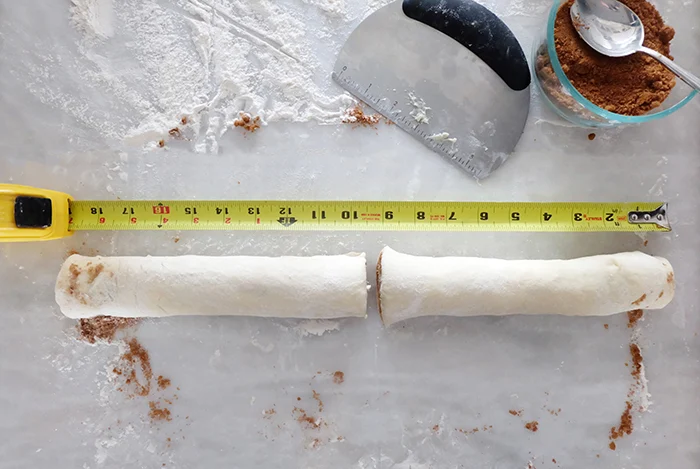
{"x": 592, "y": 90}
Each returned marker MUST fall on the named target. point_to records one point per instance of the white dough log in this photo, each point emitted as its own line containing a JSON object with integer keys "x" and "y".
{"x": 412, "y": 286}
{"x": 284, "y": 287}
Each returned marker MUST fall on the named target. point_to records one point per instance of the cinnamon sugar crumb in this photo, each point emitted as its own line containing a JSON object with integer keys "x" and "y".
{"x": 436, "y": 428}
{"x": 338, "y": 377}
{"x": 357, "y": 116}
{"x": 606, "y": 326}
{"x": 158, "y": 414}
{"x": 304, "y": 419}
{"x": 637, "y": 360}
{"x": 633, "y": 317}
{"x": 103, "y": 328}
{"x": 517, "y": 413}
{"x": 247, "y": 122}
{"x": 163, "y": 382}
{"x": 317, "y": 397}
{"x": 625, "y": 427}
{"x": 532, "y": 426}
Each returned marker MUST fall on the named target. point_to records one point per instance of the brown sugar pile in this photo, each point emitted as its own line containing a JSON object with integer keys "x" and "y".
{"x": 631, "y": 85}
{"x": 103, "y": 328}
{"x": 247, "y": 122}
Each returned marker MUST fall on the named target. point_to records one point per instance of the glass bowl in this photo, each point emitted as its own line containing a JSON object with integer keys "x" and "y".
{"x": 571, "y": 105}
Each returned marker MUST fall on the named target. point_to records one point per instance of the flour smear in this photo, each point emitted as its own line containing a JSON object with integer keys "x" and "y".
{"x": 202, "y": 60}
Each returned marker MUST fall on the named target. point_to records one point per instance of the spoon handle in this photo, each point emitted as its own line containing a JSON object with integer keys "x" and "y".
{"x": 680, "y": 72}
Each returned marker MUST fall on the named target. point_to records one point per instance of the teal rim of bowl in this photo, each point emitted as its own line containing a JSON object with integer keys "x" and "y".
{"x": 610, "y": 116}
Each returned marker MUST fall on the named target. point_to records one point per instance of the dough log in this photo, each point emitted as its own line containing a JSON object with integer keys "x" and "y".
{"x": 413, "y": 286}
{"x": 284, "y": 287}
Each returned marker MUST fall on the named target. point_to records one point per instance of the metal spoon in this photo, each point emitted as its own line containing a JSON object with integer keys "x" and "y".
{"x": 612, "y": 29}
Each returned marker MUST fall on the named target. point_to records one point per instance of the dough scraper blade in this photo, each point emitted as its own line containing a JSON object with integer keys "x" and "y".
{"x": 448, "y": 72}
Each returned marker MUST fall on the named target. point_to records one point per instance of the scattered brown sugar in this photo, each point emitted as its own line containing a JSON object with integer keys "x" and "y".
{"x": 467, "y": 432}
{"x": 436, "y": 428}
{"x": 669, "y": 278}
{"x": 317, "y": 397}
{"x": 612, "y": 445}
{"x": 606, "y": 326}
{"x": 639, "y": 300}
{"x": 305, "y": 420}
{"x": 532, "y": 426}
{"x": 631, "y": 85}
{"x": 176, "y": 239}
{"x": 163, "y": 382}
{"x": 357, "y": 117}
{"x": 625, "y": 427}
{"x": 591, "y": 136}
{"x": 157, "y": 413}
{"x": 161, "y": 143}
{"x": 554, "y": 412}
{"x": 298, "y": 398}
{"x": 268, "y": 413}
{"x": 103, "y": 328}
{"x": 175, "y": 132}
{"x": 633, "y": 317}
{"x": 184, "y": 120}
{"x": 554, "y": 460}
{"x": 247, "y": 122}
{"x": 135, "y": 358}
{"x": 338, "y": 377}
{"x": 637, "y": 360}
{"x": 646, "y": 242}
{"x": 517, "y": 413}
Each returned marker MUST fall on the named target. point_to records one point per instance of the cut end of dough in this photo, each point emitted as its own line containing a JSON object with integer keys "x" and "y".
{"x": 379, "y": 283}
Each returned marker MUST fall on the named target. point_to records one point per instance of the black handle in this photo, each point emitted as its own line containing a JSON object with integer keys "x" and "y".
{"x": 479, "y": 30}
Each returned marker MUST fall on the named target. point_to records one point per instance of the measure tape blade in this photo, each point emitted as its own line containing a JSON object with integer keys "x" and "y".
{"x": 367, "y": 216}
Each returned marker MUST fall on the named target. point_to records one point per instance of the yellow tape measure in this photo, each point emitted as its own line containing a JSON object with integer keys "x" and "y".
{"x": 33, "y": 219}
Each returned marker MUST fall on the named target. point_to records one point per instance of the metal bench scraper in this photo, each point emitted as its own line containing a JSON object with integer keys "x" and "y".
{"x": 448, "y": 72}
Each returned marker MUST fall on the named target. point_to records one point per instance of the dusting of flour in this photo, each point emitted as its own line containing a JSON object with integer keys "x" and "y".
{"x": 316, "y": 327}
{"x": 153, "y": 65}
